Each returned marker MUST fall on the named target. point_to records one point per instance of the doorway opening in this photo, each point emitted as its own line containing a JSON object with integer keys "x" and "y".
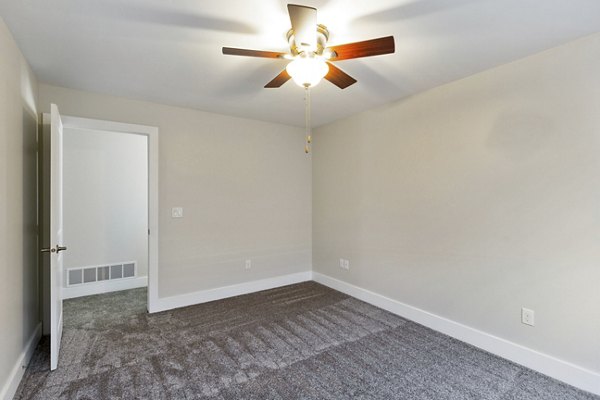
{"x": 104, "y": 177}
{"x": 105, "y": 211}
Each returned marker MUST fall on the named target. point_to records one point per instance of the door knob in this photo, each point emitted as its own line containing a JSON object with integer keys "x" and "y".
{"x": 56, "y": 249}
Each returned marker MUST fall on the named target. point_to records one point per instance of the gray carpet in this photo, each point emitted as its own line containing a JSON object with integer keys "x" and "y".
{"x": 302, "y": 341}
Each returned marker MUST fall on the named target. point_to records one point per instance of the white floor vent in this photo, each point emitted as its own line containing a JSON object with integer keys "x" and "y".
{"x": 84, "y": 275}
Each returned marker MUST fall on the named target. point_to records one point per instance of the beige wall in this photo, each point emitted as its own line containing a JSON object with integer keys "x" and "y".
{"x": 19, "y": 314}
{"x": 245, "y": 187}
{"x": 475, "y": 199}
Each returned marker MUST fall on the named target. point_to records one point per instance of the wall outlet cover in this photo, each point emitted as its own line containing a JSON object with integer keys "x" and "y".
{"x": 344, "y": 264}
{"x": 177, "y": 212}
{"x": 248, "y": 264}
{"x": 528, "y": 316}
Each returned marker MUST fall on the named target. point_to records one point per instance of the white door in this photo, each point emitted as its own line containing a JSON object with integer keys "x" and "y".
{"x": 56, "y": 234}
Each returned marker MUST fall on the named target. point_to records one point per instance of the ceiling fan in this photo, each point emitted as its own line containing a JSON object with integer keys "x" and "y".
{"x": 311, "y": 58}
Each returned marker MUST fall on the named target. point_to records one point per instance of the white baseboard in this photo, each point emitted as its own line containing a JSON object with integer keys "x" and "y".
{"x": 203, "y": 296}
{"x": 11, "y": 385}
{"x": 559, "y": 369}
{"x": 88, "y": 289}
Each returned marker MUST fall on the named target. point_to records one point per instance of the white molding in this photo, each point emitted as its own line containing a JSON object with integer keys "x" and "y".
{"x": 9, "y": 388}
{"x": 548, "y": 365}
{"x": 203, "y": 296}
{"x": 88, "y": 289}
{"x": 107, "y": 126}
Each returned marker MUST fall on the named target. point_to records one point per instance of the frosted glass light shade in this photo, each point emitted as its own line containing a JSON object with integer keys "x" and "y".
{"x": 307, "y": 71}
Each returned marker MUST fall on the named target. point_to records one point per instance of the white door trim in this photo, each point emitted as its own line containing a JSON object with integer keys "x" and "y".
{"x": 152, "y": 133}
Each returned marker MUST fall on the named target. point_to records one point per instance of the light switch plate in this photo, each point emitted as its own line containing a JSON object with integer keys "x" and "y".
{"x": 177, "y": 212}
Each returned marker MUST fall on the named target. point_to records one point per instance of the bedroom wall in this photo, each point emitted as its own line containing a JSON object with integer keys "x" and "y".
{"x": 19, "y": 310}
{"x": 475, "y": 199}
{"x": 244, "y": 185}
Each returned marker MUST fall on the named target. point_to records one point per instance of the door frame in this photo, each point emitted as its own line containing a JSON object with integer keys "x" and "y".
{"x": 151, "y": 133}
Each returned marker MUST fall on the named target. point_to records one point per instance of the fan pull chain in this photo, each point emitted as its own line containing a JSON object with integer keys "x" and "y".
{"x": 307, "y": 121}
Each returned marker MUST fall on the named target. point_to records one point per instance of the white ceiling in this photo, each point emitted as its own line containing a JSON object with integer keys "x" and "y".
{"x": 169, "y": 51}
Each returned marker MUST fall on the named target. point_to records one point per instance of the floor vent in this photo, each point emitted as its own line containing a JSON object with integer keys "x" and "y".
{"x": 84, "y": 275}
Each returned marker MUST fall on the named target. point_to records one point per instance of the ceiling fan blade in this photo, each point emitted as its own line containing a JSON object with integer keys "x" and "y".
{"x": 338, "y": 77}
{"x": 232, "y": 51}
{"x": 368, "y": 48}
{"x": 304, "y": 24}
{"x": 279, "y": 80}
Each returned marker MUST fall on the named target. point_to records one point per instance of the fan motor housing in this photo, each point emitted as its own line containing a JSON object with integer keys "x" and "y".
{"x": 322, "y": 38}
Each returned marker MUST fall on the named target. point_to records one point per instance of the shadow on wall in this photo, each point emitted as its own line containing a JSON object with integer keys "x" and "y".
{"x": 167, "y": 17}
{"x": 30, "y": 221}
{"x": 412, "y": 10}
{"x": 521, "y": 135}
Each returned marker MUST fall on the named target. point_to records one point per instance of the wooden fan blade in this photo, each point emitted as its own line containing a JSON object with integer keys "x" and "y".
{"x": 279, "y": 80}
{"x": 232, "y": 51}
{"x": 368, "y": 48}
{"x": 304, "y": 24}
{"x": 338, "y": 77}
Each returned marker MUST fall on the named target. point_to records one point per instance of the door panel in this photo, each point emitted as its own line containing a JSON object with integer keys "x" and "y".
{"x": 56, "y": 234}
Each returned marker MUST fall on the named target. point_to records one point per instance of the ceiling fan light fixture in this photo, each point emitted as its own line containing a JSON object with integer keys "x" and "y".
{"x": 307, "y": 71}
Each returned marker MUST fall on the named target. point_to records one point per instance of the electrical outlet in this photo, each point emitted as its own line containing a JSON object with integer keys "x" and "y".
{"x": 177, "y": 212}
{"x": 527, "y": 316}
{"x": 344, "y": 264}
{"x": 248, "y": 264}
